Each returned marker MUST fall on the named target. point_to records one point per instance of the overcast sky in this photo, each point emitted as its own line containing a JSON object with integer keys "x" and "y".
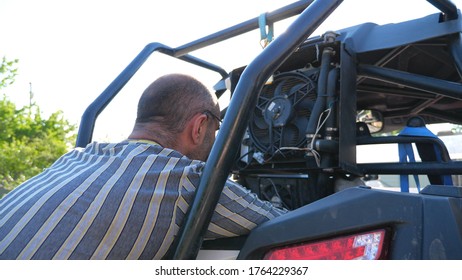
{"x": 70, "y": 51}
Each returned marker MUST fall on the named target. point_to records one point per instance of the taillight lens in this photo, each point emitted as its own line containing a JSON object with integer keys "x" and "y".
{"x": 361, "y": 246}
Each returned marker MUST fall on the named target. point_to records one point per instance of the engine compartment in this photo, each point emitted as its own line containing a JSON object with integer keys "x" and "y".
{"x": 300, "y": 143}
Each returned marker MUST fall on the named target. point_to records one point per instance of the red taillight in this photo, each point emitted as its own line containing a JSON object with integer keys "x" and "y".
{"x": 361, "y": 246}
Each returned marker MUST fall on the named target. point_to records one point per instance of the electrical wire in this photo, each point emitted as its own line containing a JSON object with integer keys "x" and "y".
{"x": 276, "y": 192}
{"x": 321, "y": 122}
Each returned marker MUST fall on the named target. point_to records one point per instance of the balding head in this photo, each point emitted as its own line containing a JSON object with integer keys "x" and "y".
{"x": 173, "y": 99}
{"x": 167, "y": 105}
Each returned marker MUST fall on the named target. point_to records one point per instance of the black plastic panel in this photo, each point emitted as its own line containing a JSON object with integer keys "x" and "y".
{"x": 415, "y": 221}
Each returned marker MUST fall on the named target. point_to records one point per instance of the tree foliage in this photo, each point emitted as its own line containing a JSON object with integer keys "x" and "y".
{"x": 29, "y": 142}
{"x": 7, "y": 72}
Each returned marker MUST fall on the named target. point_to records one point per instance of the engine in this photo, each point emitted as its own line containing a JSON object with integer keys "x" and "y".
{"x": 290, "y": 144}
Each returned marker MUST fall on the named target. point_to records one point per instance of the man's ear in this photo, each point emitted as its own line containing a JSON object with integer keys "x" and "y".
{"x": 199, "y": 128}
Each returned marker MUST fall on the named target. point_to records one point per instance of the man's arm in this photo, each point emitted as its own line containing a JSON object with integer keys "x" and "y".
{"x": 238, "y": 211}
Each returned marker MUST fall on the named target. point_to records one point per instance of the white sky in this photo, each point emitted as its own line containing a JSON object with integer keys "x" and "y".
{"x": 70, "y": 51}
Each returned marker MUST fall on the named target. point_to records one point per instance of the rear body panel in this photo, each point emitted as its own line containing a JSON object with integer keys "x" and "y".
{"x": 424, "y": 226}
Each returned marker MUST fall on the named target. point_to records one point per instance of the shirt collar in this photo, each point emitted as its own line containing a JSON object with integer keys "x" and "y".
{"x": 145, "y": 141}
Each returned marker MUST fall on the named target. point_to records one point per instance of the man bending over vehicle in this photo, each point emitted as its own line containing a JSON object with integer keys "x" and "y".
{"x": 127, "y": 200}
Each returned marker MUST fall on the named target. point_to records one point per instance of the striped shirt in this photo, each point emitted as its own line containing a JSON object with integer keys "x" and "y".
{"x": 116, "y": 201}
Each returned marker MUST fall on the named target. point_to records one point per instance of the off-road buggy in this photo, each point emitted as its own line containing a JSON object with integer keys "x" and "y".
{"x": 297, "y": 115}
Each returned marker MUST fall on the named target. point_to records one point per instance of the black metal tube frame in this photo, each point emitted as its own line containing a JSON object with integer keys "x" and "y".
{"x": 446, "y": 7}
{"x": 424, "y": 83}
{"x": 456, "y": 52}
{"x": 228, "y": 139}
{"x": 90, "y": 115}
{"x": 426, "y": 168}
{"x": 444, "y": 167}
{"x": 87, "y": 123}
{"x": 406, "y": 139}
{"x": 427, "y": 84}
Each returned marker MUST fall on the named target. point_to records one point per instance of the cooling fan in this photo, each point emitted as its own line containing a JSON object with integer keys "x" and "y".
{"x": 282, "y": 113}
